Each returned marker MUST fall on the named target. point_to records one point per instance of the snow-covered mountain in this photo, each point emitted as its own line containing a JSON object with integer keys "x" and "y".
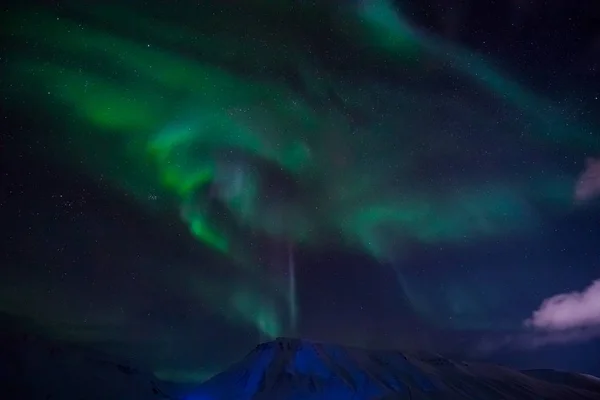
{"x": 36, "y": 368}
{"x": 293, "y": 369}
{"x": 33, "y": 367}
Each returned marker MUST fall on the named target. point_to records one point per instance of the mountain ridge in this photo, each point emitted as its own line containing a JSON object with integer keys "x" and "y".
{"x": 290, "y": 368}
{"x": 35, "y": 366}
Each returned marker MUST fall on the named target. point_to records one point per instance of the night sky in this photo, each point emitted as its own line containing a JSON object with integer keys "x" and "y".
{"x": 182, "y": 180}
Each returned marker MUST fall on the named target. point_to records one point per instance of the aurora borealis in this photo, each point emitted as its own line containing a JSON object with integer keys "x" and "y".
{"x": 202, "y": 177}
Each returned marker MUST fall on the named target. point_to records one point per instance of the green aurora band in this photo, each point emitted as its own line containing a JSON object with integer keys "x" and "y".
{"x": 196, "y": 112}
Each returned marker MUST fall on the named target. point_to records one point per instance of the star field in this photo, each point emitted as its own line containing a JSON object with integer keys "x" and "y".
{"x": 185, "y": 181}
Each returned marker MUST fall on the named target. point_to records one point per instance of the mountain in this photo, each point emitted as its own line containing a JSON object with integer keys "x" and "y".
{"x": 294, "y": 369}
{"x": 33, "y": 367}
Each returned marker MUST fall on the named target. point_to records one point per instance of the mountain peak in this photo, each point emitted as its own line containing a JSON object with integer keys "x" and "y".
{"x": 293, "y": 368}
{"x": 284, "y": 344}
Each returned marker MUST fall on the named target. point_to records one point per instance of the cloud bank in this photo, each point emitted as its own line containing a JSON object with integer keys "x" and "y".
{"x": 568, "y": 311}
{"x": 588, "y": 185}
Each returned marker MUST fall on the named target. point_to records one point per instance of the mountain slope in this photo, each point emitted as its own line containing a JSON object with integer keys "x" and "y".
{"x": 297, "y": 369}
{"x": 33, "y": 367}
